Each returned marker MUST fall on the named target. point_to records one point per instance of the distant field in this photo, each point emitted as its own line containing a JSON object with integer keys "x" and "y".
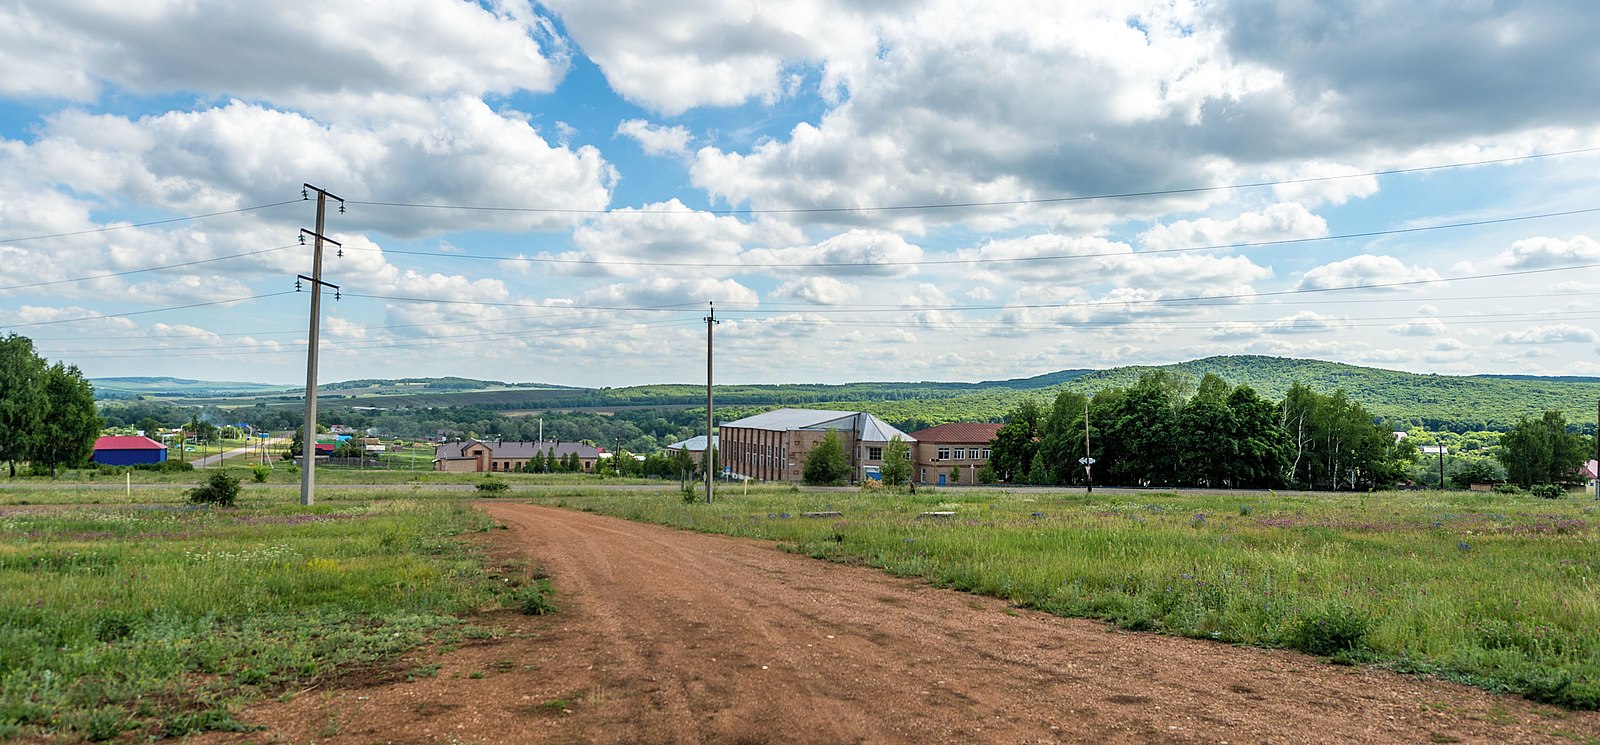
{"x": 1492, "y": 590}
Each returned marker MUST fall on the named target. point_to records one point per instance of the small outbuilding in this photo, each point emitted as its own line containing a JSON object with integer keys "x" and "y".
{"x": 128, "y": 450}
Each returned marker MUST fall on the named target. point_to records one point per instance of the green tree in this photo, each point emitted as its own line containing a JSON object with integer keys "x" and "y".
{"x": 1061, "y": 441}
{"x": 1541, "y": 451}
{"x": 70, "y": 425}
{"x": 1014, "y": 446}
{"x": 896, "y": 469}
{"x": 1206, "y": 437}
{"x": 826, "y": 464}
{"x": 1261, "y": 448}
{"x": 23, "y": 400}
{"x": 150, "y": 427}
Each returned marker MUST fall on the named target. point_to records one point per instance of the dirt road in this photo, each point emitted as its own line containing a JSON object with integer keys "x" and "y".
{"x": 666, "y": 636}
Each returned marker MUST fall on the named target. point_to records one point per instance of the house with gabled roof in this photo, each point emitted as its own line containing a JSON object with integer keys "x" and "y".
{"x": 128, "y": 450}
{"x": 773, "y": 446}
{"x": 507, "y": 456}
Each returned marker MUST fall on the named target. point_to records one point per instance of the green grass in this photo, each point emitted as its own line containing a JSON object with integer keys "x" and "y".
{"x": 1496, "y": 591}
{"x": 161, "y": 619}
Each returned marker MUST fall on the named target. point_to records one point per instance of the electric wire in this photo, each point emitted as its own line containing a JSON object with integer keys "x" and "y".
{"x": 186, "y": 218}
{"x": 147, "y": 269}
{"x": 147, "y": 311}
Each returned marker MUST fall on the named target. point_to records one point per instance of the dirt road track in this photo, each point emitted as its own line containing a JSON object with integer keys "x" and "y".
{"x": 666, "y": 636}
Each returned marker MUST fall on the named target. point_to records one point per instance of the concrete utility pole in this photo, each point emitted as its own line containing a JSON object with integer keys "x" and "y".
{"x": 711, "y": 452}
{"x": 308, "y": 440}
{"x": 1088, "y": 462}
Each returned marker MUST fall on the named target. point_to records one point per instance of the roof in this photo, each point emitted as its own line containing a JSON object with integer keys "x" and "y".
{"x": 695, "y": 444}
{"x": 866, "y": 427}
{"x": 516, "y": 449}
{"x": 962, "y": 432}
{"x": 1591, "y": 469}
{"x": 127, "y": 442}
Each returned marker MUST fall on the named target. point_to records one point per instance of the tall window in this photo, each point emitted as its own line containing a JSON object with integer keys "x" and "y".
{"x": 985, "y": 454}
{"x": 944, "y": 453}
{"x": 961, "y": 453}
{"x": 874, "y": 453}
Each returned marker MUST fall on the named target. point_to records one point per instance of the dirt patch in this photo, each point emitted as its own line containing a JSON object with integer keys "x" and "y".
{"x": 666, "y": 636}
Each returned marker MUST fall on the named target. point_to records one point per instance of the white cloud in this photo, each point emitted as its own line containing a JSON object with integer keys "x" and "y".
{"x": 1552, "y": 334}
{"x": 662, "y": 292}
{"x": 1364, "y": 270}
{"x": 281, "y": 51}
{"x": 1318, "y": 183}
{"x": 1421, "y": 327}
{"x": 1281, "y": 221}
{"x": 656, "y": 139}
{"x": 1306, "y": 321}
{"x": 1542, "y": 252}
{"x": 852, "y": 253}
{"x": 819, "y": 290}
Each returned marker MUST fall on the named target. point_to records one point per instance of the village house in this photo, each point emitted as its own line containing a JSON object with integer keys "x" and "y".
{"x": 773, "y": 446}
{"x": 126, "y": 450}
{"x": 506, "y": 456}
{"x": 694, "y": 446}
{"x": 952, "y": 454}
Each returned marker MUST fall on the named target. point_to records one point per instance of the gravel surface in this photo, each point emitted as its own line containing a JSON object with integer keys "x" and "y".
{"x": 666, "y": 636}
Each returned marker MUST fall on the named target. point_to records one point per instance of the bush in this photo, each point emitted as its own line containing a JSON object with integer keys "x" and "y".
{"x": 534, "y": 599}
{"x": 1507, "y": 489}
{"x": 166, "y": 466}
{"x": 1548, "y": 491}
{"x": 221, "y": 489}
{"x": 1330, "y": 632}
{"x": 492, "y": 487}
{"x": 259, "y": 473}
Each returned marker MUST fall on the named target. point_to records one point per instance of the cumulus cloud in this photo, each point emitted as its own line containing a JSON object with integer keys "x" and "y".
{"x": 1552, "y": 334}
{"x": 1362, "y": 271}
{"x": 852, "y": 253}
{"x": 654, "y": 138}
{"x": 663, "y": 234}
{"x": 1306, "y": 321}
{"x": 1421, "y": 327}
{"x": 280, "y": 51}
{"x": 1281, "y": 221}
{"x": 1542, "y": 252}
{"x": 662, "y": 292}
{"x": 819, "y": 290}
{"x": 454, "y": 151}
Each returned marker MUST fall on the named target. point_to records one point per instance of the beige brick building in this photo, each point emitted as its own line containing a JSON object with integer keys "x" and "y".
{"x": 773, "y": 446}
{"x": 506, "y": 456}
{"x": 952, "y": 454}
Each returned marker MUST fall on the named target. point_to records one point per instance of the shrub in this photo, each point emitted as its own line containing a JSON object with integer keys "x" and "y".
{"x": 534, "y": 599}
{"x": 492, "y": 487}
{"x": 1332, "y": 631}
{"x": 259, "y": 473}
{"x": 220, "y": 489}
{"x": 1548, "y": 491}
{"x": 1507, "y": 489}
{"x": 166, "y": 466}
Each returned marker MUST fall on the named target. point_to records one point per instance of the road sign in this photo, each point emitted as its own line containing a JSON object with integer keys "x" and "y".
{"x": 1086, "y": 461}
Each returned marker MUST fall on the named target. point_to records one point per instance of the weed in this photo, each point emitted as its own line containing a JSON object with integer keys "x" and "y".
{"x": 534, "y": 599}
{"x": 219, "y": 489}
{"x": 1331, "y": 631}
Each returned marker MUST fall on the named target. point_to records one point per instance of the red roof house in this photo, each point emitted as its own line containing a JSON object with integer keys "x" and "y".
{"x": 128, "y": 450}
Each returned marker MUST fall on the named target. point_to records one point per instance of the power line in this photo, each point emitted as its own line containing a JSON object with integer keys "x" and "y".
{"x": 151, "y": 310}
{"x": 169, "y": 220}
{"x": 997, "y": 260}
{"x": 146, "y": 269}
{"x": 996, "y": 203}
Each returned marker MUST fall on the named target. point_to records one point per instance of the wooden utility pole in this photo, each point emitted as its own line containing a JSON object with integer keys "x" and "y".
{"x": 711, "y": 432}
{"x": 308, "y": 440}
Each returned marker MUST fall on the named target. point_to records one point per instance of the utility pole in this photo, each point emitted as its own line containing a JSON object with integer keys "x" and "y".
{"x": 1441, "y": 461}
{"x": 1088, "y": 462}
{"x": 308, "y": 440}
{"x": 711, "y": 433}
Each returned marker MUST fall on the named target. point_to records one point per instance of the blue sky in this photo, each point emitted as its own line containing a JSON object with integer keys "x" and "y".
{"x": 642, "y": 162}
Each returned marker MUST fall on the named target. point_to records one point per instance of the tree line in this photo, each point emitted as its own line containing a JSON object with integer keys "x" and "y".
{"x": 47, "y": 412}
{"x": 1166, "y": 431}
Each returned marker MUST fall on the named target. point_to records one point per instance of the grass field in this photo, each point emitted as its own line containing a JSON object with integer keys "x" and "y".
{"x": 1497, "y": 591}
{"x": 160, "y": 619}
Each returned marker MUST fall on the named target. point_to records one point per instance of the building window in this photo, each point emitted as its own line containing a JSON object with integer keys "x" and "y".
{"x": 985, "y": 454}
{"x": 944, "y": 453}
{"x": 874, "y": 453}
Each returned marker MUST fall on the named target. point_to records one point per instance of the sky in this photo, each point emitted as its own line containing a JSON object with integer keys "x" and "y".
{"x": 891, "y": 190}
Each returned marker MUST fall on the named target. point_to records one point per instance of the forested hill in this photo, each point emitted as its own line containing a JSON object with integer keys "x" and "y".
{"x": 1459, "y": 403}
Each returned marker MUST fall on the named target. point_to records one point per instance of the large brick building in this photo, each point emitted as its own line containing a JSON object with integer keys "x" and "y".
{"x": 505, "y": 456}
{"x": 773, "y": 446}
{"x": 952, "y": 454}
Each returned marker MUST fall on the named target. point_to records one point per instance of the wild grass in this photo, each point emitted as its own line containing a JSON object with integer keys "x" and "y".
{"x": 284, "y": 473}
{"x": 161, "y": 618}
{"x": 1494, "y": 590}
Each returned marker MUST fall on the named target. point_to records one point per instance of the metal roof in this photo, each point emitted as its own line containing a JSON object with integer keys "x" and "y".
{"x": 866, "y": 427}
{"x": 960, "y": 432}
{"x": 127, "y": 442}
{"x": 694, "y": 444}
{"x": 515, "y": 449}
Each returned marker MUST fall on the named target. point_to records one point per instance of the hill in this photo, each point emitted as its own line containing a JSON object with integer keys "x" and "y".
{"x": 1457, "y": 403}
